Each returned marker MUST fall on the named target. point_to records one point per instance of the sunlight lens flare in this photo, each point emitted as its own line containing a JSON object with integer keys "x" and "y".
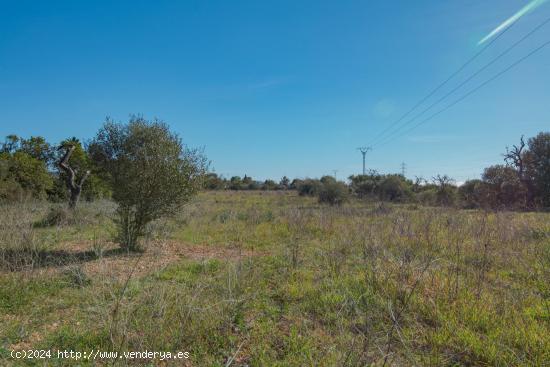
{"x": 526, "y": 9}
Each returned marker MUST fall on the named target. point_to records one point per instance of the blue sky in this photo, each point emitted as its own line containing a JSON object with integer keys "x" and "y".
{"x": 273, "y": 88}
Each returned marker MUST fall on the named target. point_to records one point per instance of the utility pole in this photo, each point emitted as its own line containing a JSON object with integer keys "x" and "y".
{"x": 403, "y": 169}
{"x": 364, "y": 151}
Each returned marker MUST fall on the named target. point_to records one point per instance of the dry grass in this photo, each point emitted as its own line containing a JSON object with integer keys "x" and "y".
{"x": 274, "y": 279}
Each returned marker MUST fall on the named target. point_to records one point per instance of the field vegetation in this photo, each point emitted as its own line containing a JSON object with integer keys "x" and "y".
{"x": 380, "y": 270}
{"x": 274, "y": 278}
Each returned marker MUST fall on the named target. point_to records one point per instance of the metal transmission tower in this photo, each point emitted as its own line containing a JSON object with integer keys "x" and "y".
{"x": 403, "y": 169}
{"x": 335, "y": 171}
{"x": 364, "y": 151}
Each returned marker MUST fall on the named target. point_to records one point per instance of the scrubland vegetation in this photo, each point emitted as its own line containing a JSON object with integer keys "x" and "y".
{"x": 522, "y": 182}
{"x": 378, "y": 271}
{"x": 273, "y": 278}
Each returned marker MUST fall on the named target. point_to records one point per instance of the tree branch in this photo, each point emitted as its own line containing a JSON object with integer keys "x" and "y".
{"x": 84, "y": 178}
{"x": 515, "y": 156}
{"x": 64, "y": 165}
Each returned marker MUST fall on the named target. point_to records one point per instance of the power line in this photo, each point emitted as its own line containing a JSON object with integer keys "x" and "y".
{"x": 441, "y": 85}
{"x": 444, "y": 97}
{"x": 472, "y": 91}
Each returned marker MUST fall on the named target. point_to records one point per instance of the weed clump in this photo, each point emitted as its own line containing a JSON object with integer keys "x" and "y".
{"x": 56, "y": 216}
{"x": 76, "y": 276}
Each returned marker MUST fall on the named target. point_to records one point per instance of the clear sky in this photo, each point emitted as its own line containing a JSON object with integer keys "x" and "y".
{"x": 273, "y": 88}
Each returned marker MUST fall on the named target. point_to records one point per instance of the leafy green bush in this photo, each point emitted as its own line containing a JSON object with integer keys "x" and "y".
{"x": 470, "y": 194}
{"x": 270, "y": 185}
{"x": 383, "y": 187}
{"x": 29, "y": 173}
{"x": 213, "y": 182}
{"x": 11, "y": 191}
{"x": 150, "y": 171}
{"x": 309, "y": 187}
{"x": 427, "y": 197}
{"x": 394, "y": 188}
{"x": 334, "y": 193}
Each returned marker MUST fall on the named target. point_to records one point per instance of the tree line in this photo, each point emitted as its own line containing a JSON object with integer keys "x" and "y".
{"x": 522, "y": 182}
{"x": 31, "y": 168}
{"x": 215, "y": 182}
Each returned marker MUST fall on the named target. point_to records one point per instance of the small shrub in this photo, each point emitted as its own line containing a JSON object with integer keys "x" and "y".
{"x": 11, "y": 191}
{"x": 309, "y": 187}
{"x": 334, "y": 193}
{"x": 56, "y": 216}
{"x": 76, "y": 276}
{"x": 427, "y": 197}
{"x": 150, "y": 170}
{"x": 394, "y": 188}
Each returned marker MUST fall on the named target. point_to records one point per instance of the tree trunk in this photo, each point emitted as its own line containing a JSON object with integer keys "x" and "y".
{"x": 74, "y": 187}
{"x": 75, "y": 197}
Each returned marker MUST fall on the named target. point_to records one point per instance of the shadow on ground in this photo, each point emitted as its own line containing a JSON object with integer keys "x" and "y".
{"x": 11, "y": 260}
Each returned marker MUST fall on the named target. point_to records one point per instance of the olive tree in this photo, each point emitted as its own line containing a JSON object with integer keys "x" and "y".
{"x": 73, "y": 179}
{"x": 531, "y": 163}
{"x": 539, "y": 166}
{"x": 150, "y": 171}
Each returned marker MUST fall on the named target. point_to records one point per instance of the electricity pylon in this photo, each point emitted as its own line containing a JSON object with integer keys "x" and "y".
{"x": 364, "y": 151}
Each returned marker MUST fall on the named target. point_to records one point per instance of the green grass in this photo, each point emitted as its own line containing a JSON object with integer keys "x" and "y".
{"x": 362, "y": 284}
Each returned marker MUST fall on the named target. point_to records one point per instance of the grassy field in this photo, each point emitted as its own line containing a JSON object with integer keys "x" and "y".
{"x": 273, "y": 279}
